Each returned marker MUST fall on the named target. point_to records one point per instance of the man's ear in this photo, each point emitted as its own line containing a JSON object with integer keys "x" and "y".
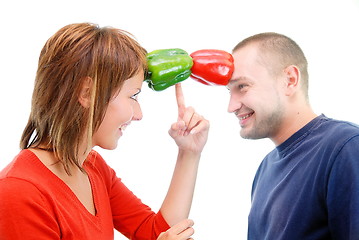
{"x": 292, "y": 75}
{"x": 85, "y": 92}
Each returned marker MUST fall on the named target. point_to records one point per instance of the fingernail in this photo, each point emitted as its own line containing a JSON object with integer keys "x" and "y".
{"x": 193, "y": 131}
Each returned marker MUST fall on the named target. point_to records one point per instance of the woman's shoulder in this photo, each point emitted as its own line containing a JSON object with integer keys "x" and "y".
{"x": 99, "y": 170}
{"x": 26, "y": 170}
{"x": 95, "y": 159}
{"x": 18, "y": 188}
{"x": 25, "y": 163}
{"x": 96, "y": 162}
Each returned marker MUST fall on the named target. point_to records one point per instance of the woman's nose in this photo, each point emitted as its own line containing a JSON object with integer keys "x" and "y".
{"x": 137, "y": 115}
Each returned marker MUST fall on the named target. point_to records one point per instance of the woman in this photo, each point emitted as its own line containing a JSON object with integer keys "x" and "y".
{"x": 85, "y": 95}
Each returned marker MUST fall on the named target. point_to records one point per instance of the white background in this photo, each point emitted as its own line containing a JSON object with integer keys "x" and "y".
{"x": 326, "y": 30}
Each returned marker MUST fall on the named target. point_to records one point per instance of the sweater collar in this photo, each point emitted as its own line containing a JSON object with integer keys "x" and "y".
{"x": 300, "y": 134}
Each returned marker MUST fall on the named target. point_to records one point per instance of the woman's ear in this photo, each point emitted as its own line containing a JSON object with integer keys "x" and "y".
{"x": 292, "y": 75}
{"x": 85, "y": 92}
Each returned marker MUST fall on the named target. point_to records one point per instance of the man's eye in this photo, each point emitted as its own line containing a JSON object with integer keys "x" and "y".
{"x": 241, "y": 86}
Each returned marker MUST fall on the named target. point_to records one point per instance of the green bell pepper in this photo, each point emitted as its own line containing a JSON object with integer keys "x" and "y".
{"x": 166, "y": 67}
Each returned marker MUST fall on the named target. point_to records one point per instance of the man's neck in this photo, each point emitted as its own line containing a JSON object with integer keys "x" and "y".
{"x": 293, "y": 123}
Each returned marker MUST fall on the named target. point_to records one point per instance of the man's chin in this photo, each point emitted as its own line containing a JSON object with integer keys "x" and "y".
{"x": 246, "y": 134}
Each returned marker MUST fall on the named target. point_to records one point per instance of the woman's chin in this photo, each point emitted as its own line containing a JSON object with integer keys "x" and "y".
{"x": 109, "y": 146}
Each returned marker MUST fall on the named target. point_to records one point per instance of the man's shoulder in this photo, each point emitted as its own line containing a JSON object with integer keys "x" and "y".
{"x": 338, "y": 127}
{"x": 333, "y": 133}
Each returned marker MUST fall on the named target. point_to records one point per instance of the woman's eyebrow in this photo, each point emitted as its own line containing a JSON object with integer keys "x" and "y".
{"x": 138, "y": 91}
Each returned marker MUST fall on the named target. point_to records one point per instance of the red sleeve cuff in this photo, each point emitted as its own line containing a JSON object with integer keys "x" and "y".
{"x": 161, "y": 224}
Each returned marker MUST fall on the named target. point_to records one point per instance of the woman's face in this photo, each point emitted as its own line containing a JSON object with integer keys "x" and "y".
{"x": 122, "y": 109}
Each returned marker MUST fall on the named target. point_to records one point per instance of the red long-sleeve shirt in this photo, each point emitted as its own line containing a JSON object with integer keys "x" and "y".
{"x": 36, "y": 204}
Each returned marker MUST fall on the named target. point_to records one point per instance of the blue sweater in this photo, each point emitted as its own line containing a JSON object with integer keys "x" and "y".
{"x": 308, "y": 187}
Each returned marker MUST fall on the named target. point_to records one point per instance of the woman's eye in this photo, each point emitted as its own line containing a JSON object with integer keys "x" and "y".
{"x": 135, "y": 96}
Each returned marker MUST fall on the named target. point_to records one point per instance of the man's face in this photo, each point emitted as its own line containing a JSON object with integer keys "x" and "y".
{"x": 255, "y": 95}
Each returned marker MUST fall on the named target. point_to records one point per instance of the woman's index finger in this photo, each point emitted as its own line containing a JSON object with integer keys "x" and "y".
{"x": 180, "y": 99}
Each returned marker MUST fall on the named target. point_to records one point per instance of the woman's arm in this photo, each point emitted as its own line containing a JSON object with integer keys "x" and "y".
{"x": 190, "y": 133}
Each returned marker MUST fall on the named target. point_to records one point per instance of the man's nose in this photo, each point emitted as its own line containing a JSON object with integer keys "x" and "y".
{"x": 234, "y": 104}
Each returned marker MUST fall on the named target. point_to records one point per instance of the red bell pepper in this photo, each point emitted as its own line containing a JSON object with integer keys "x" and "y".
{"x": 212, "y": 66}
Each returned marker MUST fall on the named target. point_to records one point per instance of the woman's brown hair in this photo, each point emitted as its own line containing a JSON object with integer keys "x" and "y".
{"x": 77, "y": 53}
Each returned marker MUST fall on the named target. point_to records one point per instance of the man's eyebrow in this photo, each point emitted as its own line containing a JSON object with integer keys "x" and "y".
{"x": 234, "y": 80}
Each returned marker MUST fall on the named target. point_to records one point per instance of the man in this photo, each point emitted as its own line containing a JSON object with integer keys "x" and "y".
{"x": 308, "y": 186}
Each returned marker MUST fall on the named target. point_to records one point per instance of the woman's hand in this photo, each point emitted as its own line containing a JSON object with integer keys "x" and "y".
{"x": 181, "y": 231}
{"x": 190, "y": 132}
